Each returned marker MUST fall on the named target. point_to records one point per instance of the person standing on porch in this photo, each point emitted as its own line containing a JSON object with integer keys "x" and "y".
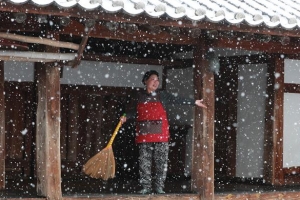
{"x": 152, "y": 130}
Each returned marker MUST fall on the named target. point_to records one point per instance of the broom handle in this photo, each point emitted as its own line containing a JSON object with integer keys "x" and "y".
{"x": 114, "y": 134}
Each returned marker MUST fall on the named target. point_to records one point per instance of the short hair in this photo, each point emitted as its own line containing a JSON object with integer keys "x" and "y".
{"x": 148, "y": 74}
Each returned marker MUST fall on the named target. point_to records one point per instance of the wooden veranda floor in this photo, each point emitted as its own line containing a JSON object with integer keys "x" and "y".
{"x": 175, "y": 189}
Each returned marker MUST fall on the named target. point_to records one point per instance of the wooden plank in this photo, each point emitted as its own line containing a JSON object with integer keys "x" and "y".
{"x": 203, "y": 145}
{"x": 29, "y": 129}
{"x": 259, "y": 196}
{"x": 64, "y": 126}
{"x": 232, "y": 119}
{"x": 244, "y": 59}
{"x": 268, "y": 136}
{"x": 11, "y": 44}
{"x": 291, "y": 88}
{"x": 98, "y": 123}
{"x": 255, "y": 45}
{"x": 41, "y": 135}
{"x": 39, "y": 40}
{"x": 132, "y": 60}
{"x": 81, "y": 48}
{"x": 292, "y": 170}
{"x": 140, "y": 197}
{"x": 232, "y": 196}
{"x": 73, "y": 131}
{"x": 48, "y": 130}
{"x": 88, "y": 107}
{"x": 2, "y": 128}
{"x": 16, "y": 115}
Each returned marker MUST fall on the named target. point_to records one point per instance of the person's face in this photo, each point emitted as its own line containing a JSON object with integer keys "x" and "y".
{"x": 152, "y": 83}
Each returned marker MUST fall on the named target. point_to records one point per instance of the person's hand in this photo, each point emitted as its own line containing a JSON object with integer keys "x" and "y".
{"x": 123, "y": 119}
{"x": 200, "y": 103}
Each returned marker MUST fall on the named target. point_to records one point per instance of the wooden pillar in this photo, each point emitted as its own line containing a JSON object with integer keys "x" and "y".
{"x": 203, "y": 140}
{"x": 2, "y": 128}
{"x": 273, "y": 156}
{"x": 48, "y": 130}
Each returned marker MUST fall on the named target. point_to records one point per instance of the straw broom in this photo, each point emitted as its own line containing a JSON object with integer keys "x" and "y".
{"x": 102, "y": 165}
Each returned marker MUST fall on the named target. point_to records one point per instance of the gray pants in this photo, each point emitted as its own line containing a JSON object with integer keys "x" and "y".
{"x": 158, "y": 152}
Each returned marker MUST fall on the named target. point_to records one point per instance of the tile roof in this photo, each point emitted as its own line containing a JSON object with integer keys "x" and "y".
{"x": 271, "y": 13}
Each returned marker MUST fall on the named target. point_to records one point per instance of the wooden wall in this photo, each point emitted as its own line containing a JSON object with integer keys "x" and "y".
{"x": 20, "y": 108}
{"x": 88, "y": 118}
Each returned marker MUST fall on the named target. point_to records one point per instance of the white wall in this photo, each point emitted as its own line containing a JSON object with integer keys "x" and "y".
{"x": 291, "y": 124}
{"x": 291, "y": 130}
{"x": 292, "y": 71}
{"x": 87, "y": 73}
{"x": 107, "y": 74}
{"x": 18, "y": 71}
{"x": 250, "y": 120}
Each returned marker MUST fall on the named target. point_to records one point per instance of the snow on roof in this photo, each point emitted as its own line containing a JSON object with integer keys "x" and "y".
{"x": 271, "y": 13}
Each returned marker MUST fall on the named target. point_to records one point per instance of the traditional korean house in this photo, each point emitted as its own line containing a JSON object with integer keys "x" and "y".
{"x": 67, "y": 68}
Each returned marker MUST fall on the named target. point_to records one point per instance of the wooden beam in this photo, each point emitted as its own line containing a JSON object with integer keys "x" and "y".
{"x": 77, "y": 28}
{"x": 2, "y": 128}
{"x": 203, "y": 145}
{"x": 132, "y": 60}
{"x": 254, "y": 45}
{"x": 37, "y": 55}
{"x": 291, "y": 88}
{"x": 39, "y": 40}
{"x": 53, "y": 57}
{"x": 48, "y": 131}
{"x": 82, "y": 45}
{"x": 11, "y": 44}
{"x": 245, "y": 59}
{"x": 101, "y": 31}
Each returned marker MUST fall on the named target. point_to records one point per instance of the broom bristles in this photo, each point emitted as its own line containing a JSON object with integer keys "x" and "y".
{"x": 101, "y": 165}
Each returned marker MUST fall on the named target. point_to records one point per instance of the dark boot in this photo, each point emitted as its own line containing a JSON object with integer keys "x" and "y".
{"x": 159, "y": 190}
{"x": 144, "y": 191}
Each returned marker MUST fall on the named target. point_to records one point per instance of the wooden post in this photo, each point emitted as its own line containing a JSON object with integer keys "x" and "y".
{"x": 2, "y": 128}
{"x": 48, "y": 130}
{"x": 273, "y": 156}
{"x": 232, "y": 119}
{"x": 203, "y": 144}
